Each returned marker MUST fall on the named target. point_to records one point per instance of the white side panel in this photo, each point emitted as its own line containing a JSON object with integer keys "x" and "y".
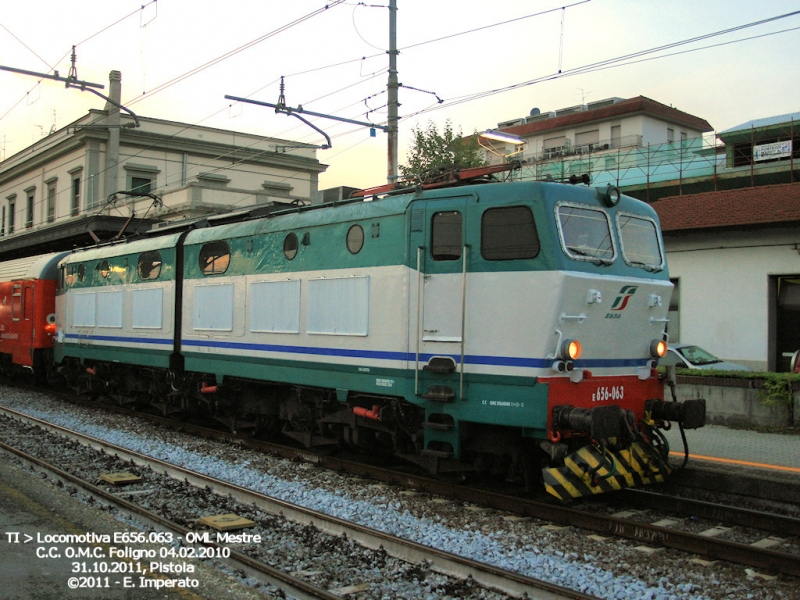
{"x": 213, "y": 307}
{"x": 339, "y": 306}
{"x": 84, "y": 308}
{"x": 109, "y": 309}
{"x": 275, "y": 306}
{"x": 147, "y": 309}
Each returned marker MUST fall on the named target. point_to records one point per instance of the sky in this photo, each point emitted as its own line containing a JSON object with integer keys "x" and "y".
{"x": 179, "y": 58}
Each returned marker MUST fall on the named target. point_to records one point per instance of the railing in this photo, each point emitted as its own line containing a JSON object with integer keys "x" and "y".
{"x": 625, "y": 163}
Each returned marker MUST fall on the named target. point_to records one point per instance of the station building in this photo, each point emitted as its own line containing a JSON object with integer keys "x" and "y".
{"x": 110, "y": 174}
{"x": 734, "y": 258}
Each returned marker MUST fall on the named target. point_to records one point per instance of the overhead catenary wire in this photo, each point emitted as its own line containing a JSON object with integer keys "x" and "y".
{"x": 622, "y": 60}
{"x": 586, "y": 68}
{"x": 103, "y": 30}
{"x": 235, "y": 51}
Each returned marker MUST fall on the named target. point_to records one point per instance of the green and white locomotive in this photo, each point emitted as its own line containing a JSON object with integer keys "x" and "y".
{"x": 511, "y": 327}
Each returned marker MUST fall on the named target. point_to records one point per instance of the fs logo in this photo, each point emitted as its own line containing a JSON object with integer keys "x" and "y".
{"x": 621, "y": 301}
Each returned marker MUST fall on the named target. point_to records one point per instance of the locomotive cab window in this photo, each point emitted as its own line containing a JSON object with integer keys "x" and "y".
{"x": 150, "y": 265}
{"x": 640, "y": 244}
{"x": 446, "y": 236}
{"x": 104, "y": 268}
{"x": 585, "y": 234}
{"x": 215, "y": 258}
{"x": 508, "y": 233}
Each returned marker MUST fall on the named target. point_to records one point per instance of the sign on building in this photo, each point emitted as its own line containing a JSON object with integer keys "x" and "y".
{"x": 772, "y": 151}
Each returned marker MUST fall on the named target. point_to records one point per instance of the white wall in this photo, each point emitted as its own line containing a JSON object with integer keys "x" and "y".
{"x": 724, "y": 289}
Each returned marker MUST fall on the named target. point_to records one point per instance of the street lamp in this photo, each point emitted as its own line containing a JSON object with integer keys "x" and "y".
{"x": 505, "y": 138}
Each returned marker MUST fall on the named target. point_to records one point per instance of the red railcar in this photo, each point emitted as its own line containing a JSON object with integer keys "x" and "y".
{"x": 27, "y": 312}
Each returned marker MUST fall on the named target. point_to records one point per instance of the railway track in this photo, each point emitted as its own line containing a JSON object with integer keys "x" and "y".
{"x": 453, "y": 566}
{"x": 708, "y": 523}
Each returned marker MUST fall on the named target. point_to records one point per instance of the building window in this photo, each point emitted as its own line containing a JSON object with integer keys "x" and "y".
{"x": 141, "y": 185}
{"x": 141, "y": 179}
{"x": 684, "y": 136}
{"x": 3, "y": 222}
{"x": 29, "y": 207}
{"x": 11, "y": 209}
{"x": 586, "y": 140}
{"x": 670, "y": 135}
{"x": 616, "y": 136}
{"x": 75, "y": 202}
{"x": 51, "y": 201}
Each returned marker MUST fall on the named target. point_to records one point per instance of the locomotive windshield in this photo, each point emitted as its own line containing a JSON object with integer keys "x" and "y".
{"x": 586, "y": 234}
{"x": 640, "y": 245}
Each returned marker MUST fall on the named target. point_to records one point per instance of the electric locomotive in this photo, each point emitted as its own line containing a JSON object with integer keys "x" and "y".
{"x": 27, "y": 313}
{"x": 511, "y": 327}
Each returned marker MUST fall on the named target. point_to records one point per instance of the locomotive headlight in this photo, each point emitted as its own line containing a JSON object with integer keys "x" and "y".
{"x": 658, "y": 348}
{"x": 570, "y": 350}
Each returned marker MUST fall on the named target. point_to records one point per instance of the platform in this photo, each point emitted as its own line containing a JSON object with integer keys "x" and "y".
{"x": 723, "y": 445}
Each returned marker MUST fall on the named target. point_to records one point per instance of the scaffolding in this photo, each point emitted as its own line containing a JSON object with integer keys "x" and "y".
{"x": 764, "y": 155}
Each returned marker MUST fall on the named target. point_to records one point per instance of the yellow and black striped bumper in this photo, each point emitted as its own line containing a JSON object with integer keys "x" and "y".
{"x": 580, "y": 476}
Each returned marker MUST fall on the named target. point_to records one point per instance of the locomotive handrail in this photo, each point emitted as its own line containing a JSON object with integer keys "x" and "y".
{"x": 463, "y": 317}
{"x": 419, "y": 317}
{"x": 579, "y": 317}
{"x": 659, "y": 320}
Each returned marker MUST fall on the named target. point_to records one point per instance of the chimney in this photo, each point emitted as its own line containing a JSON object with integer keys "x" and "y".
{"x": 114, "y": 90}
{"x": 113, "y": 121}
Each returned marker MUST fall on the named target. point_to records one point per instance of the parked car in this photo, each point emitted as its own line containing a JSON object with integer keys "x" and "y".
{"x": 689, "y": 356}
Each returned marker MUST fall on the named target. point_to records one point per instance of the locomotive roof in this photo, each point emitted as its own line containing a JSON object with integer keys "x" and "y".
{"x": 122, "y": 248}
{"x": 307, "y": 217}
{"x": 31, "y": 267}
{"x": 321, "y": 215}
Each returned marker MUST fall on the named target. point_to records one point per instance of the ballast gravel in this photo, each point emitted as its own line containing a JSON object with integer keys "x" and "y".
{"x": 565, "y": 556}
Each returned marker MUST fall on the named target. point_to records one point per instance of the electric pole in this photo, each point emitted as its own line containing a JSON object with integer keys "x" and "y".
{"x": 392, "y": 87}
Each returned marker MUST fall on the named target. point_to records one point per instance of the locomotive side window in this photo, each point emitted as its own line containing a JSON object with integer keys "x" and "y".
{"x": 150, "y": 265}
{"x": 215, "y": 258}
{"x": 640, "y": 244}
{"x": 446, "y": 236}
{"x": 355, "y": 239}
{"x": 290, "y": 246}
{"x": 104, "y": 269}
{"x": 508, "y": 233}
{"x": 585, "y": 234}
{"x": 81, "y": 272}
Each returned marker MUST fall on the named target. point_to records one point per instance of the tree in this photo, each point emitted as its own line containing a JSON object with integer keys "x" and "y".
{"x": 431, "y": 150}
